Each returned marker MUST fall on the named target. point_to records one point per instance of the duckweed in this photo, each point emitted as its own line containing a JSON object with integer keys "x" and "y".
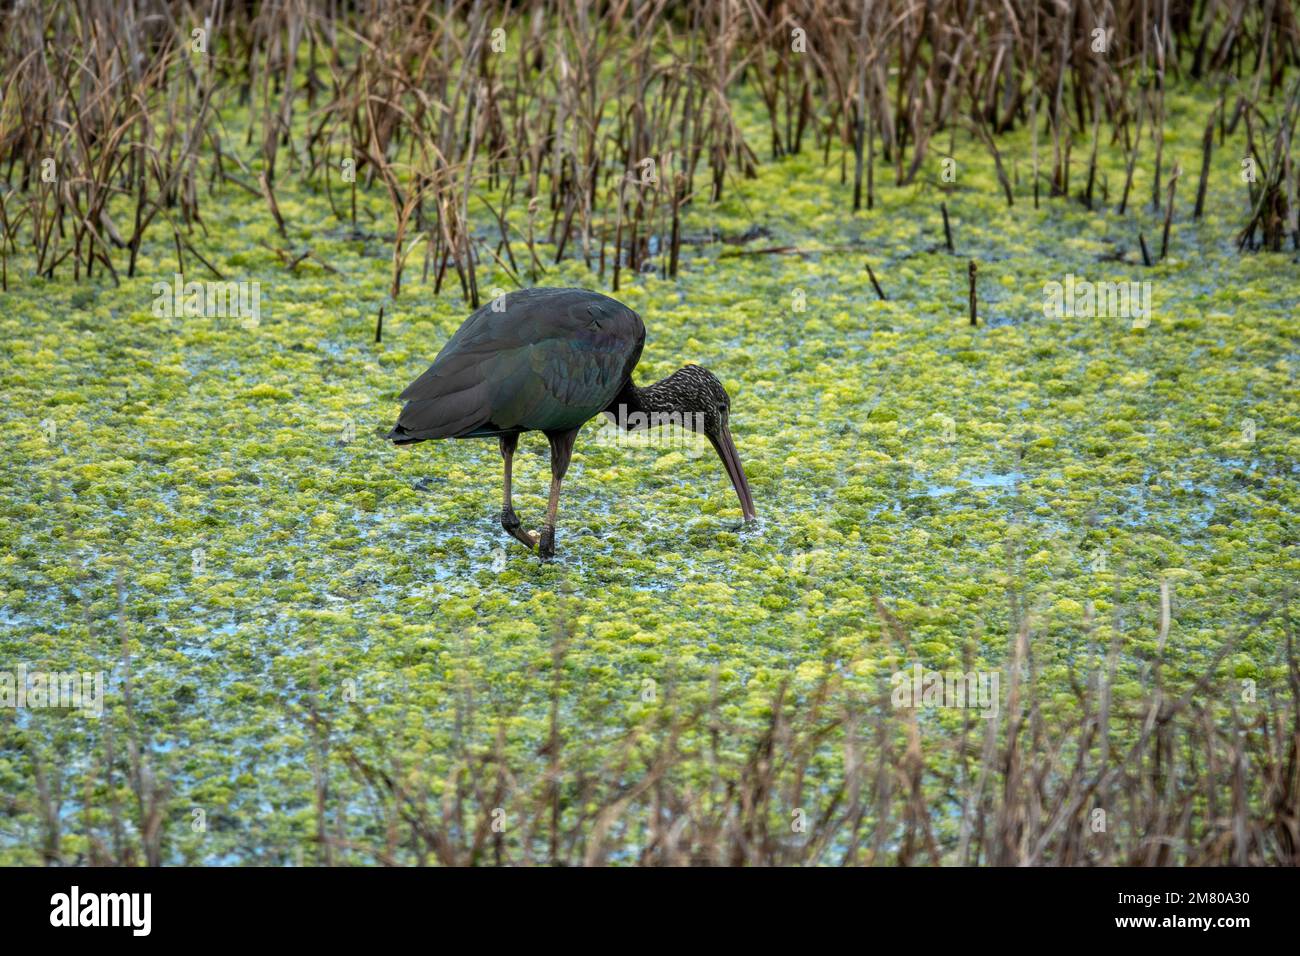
{"x": 214, "y": 503}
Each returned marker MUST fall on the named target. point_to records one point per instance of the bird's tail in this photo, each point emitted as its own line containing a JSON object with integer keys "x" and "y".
{"x": 399, "y": 436}
{"x": 451, "y": 413}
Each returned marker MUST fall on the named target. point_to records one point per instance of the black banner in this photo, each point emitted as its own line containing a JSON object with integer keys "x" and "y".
{"x": 334, "y": 906}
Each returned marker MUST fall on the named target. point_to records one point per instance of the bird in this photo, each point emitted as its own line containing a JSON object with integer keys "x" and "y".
{"x": 550, "y": 360}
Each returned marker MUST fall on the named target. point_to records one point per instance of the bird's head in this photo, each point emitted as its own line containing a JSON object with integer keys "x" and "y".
{"x": 707, "y": 408}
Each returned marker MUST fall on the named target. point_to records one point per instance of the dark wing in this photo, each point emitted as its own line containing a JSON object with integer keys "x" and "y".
{"x": 549, "y": 360}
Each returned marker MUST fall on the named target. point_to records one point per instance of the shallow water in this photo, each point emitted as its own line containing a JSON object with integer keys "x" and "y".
{"x": 893, "y": 451}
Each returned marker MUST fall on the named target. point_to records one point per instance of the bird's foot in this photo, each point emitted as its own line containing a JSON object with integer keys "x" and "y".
{"x": 514, "y": 528}
{"x": 546, "y": 547}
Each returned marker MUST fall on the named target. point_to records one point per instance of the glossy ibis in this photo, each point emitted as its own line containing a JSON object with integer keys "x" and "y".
{"x": 549, "y": 360}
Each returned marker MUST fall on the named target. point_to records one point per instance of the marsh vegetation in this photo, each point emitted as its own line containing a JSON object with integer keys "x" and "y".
{"x": 320, "y": 649}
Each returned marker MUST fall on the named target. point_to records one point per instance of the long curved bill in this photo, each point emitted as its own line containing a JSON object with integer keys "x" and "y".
{"x": 726, "y": 450}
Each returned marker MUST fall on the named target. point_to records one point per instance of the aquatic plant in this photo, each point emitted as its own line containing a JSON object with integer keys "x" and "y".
{"x": 316, "y": 649}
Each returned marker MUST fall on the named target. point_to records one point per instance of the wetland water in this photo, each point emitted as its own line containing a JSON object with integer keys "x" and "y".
{"x": 217, "y": 493}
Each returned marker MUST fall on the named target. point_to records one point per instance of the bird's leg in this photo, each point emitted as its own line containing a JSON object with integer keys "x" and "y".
{"x": 510, "y": 520}
{"x": 561, "y": 453}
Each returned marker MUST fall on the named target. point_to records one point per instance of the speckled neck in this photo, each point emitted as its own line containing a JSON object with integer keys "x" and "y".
{"x": 687, "y": 389}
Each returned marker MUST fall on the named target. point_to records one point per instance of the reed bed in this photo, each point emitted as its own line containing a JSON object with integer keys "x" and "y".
{"x": 1191, "y": 771}
{"x": 588, "y": 127}
{"x": 1187, "y": 774}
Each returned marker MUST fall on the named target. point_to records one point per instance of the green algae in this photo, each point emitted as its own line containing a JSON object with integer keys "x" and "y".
{"x": 278, "y": 557}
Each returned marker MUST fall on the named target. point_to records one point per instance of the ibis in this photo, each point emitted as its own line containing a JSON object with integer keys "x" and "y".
{"x": 549, "y": 360}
